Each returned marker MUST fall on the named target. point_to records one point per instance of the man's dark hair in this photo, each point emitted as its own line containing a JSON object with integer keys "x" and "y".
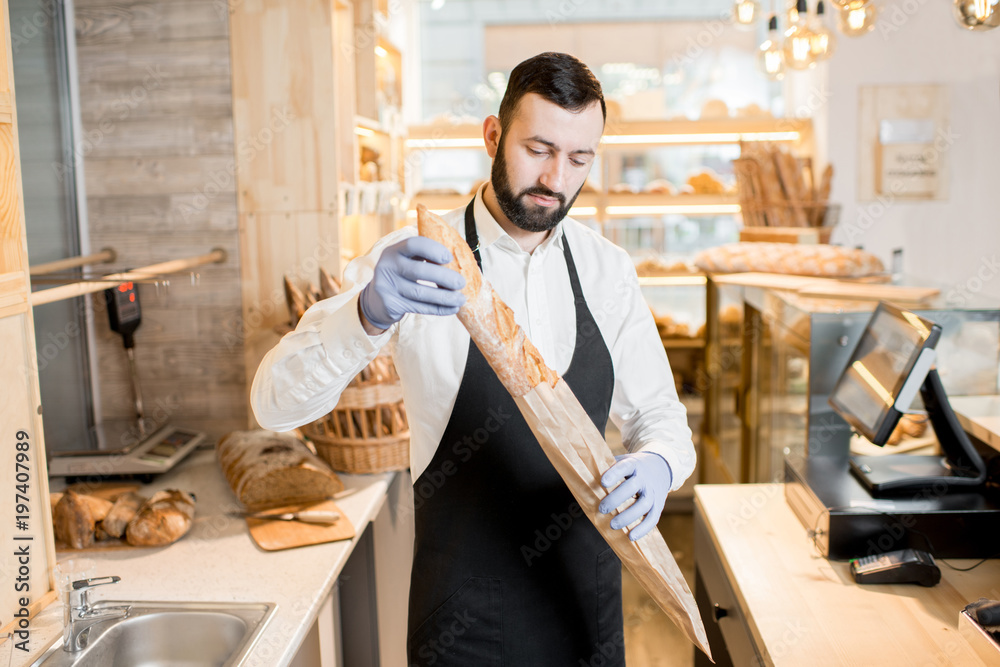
{"x": 559, "y": 78}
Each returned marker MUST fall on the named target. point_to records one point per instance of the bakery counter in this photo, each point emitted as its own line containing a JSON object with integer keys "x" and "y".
{"x": 218, "y": 561}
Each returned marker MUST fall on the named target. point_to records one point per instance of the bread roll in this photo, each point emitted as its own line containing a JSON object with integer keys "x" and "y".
{"x": 125, "y": 508}
{"x": 266, "y": 468}
{"x": 73, "y": 522}
{"x": 162, "y": 520}
{"x": 516, "y": 361}
{"x": 99, "y": 507}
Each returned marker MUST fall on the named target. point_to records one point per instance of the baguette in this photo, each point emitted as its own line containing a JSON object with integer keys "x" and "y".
{"x": 516, "y": 361}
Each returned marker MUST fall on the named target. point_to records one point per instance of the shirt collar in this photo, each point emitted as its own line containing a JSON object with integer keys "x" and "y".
{"x": 491, "y": 232}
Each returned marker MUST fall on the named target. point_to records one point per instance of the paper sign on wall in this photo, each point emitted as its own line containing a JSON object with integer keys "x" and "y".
{"x": 902, "y": 140}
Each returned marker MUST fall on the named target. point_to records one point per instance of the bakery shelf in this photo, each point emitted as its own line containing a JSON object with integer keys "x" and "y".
{"x": 674, "y": 279}
{"x": 635, "y": 134}
{"x": 650, "y": 203}
{"x": 683, "y": 343}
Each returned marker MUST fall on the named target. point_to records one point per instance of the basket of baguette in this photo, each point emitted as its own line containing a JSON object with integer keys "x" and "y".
{"x": 783, "y": 198}
{"x": 367, "y": 432}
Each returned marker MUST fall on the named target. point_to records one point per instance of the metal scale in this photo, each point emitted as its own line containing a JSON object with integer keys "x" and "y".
{"x": 140, "y": 448}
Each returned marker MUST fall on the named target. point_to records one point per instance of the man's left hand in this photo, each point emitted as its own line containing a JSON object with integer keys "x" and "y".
{"x": 647, "y": 478}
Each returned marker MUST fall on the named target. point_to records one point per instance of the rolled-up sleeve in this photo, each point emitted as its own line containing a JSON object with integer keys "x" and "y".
{"x": 645, "y": 406}
{"x": 302, "y": 377}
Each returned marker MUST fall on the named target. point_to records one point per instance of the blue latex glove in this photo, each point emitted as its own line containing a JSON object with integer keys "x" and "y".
{"x": 647, "y": 478}
{"x": 394, "y": 291}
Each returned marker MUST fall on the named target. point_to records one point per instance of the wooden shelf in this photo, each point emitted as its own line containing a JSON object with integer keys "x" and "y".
{"x": 626, "y": 205}
{"x": 683, "y": 343}
{"x": 624, "y": 135}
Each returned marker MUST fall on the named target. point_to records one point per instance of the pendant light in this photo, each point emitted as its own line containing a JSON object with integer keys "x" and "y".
{"x": 797, "y": 45}
{"x": 770, "y": 55}
{"x": 855, "y": 19}
{"x": 823, "y": 41}
{"x": 745, "y": 13}
{"x": 977, "y": 14}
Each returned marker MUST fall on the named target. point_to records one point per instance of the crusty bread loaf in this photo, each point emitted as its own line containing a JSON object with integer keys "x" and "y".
{"x": 73, "y": 522}
{"x": 490, "y": 322}
{"x": 266, "y": 468}
{"x": 125, "y": 508}
{"x": 162, "y": 520}
{"x": 789, "y": 258}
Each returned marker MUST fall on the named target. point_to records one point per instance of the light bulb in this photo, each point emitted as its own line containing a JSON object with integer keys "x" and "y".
{"x": 770, "y": 57}
{"x": 853, "y": 4}
{"x": 797, "y": 45}
{"x": 745, "y": 12}
{"x": 855, "y": 21}
{"x": 977, "y": 14}
{"x": 823, "y": 41}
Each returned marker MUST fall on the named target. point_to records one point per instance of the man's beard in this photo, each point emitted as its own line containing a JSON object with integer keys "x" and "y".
{"x": 533, "y": 218}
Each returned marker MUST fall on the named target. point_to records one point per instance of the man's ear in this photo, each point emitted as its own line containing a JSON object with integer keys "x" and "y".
{"x": 491, "y": 135}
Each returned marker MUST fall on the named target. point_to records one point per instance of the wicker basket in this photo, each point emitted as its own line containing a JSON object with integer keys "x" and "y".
{"x": 764, "y": 202}
{"x": 367, "y": 432}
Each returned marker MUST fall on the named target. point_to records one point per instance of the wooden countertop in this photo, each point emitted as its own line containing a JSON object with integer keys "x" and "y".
{"x": 217, "y": 561}
{"x": 980, "y": 416}
{"x": 803, "y": 609}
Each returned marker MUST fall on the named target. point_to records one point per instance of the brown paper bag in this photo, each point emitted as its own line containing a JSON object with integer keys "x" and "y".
{"x": 580, "y": 456}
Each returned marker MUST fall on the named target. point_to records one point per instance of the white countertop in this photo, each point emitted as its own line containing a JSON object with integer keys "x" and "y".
{"x": 218, "y": 562}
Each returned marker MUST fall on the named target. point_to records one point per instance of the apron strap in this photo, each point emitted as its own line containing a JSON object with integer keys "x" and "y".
{"x": 471, "y": 235}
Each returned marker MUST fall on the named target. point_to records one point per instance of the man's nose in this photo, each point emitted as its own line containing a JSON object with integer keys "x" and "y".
{"x": 553, "y": 175}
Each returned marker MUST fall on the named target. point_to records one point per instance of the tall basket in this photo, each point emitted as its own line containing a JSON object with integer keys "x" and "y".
{"x": 368, "y": 431}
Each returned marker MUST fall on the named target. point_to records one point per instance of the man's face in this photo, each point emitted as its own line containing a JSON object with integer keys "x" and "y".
{"x": 542, "y": 161}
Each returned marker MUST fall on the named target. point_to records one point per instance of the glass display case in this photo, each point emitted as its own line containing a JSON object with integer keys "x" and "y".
{"x": 795, "y": 348}
{"x": 724, "y": 348}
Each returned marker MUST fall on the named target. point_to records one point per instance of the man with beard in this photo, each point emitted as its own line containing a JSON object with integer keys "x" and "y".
{"x": 506, "y": 569}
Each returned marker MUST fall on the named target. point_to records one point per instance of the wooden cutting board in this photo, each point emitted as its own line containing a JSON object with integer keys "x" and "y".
{"x": 271, "y": 535}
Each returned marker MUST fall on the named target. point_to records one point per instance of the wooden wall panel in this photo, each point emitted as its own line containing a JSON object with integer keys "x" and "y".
{"x": 11, "y": 216}
{"x": 25, "y": 523}
{"x": 160, "y": 165}
{"x": 275, "y": 245}
{"x": 283, "y": 102}
{"x": 289, "y": 120}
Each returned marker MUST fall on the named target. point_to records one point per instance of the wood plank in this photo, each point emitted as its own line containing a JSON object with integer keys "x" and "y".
{"x": 201, "y": 96}
{"x": 153, "y": 64}
{"x": 178, "y": 136}
{"x": 11, "y": 217}
{"x": 108, "y": 24}
{"x": 210, "y": 176}
{"x": 282, "y": 123}
{"x": 172, "y": 214}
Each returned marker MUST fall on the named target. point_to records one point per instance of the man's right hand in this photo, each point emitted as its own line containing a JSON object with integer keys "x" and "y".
{"x": 394, "y": 290}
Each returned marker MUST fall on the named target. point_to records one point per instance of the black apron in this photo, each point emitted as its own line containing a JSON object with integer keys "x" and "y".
{"x": 507, "y": 570}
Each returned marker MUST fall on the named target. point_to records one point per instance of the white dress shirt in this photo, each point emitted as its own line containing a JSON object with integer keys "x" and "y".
{"x": 302, "y": 377}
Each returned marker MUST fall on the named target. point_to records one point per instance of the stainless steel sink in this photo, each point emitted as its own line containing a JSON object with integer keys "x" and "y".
{"x": 158, "y": 634}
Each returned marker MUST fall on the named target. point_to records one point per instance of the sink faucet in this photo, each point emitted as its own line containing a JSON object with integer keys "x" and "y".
{"x": 79, "y": 616}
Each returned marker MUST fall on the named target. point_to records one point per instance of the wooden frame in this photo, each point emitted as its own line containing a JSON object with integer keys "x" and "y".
{"x": 28, "y": 552}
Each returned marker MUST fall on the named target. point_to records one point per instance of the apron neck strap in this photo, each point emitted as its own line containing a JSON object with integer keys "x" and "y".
{"x": 471, "y": 235}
